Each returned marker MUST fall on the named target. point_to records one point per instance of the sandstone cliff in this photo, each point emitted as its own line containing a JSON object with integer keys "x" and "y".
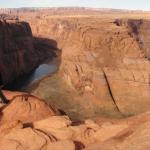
{"x": 104, "y": 71}
{"x": 140, "y": 30}
{"x": 19, "y": 53}
{"x": 104, "y": 64}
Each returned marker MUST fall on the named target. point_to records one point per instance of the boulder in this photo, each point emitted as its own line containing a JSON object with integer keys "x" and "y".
{"x": 25, "y": 108}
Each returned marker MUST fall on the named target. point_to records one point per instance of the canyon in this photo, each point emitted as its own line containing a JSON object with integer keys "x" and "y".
{"x": 104, "y": 64}
{"x": 97, "y": 98}
{"x": 19, "y": 50}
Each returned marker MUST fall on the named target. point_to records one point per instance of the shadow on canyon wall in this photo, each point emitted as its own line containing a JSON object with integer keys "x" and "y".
{"x": 48, "y": 46}
{"x": 49, "y": 61}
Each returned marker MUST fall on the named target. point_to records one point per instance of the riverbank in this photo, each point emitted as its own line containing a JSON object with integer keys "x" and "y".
{"x": 21, "y": 84}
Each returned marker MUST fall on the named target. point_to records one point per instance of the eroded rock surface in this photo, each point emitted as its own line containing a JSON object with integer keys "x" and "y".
{"x": 52, "y": 132}
{"x": 104, "y": 71}
{"x": 26, "y": 108}
{"x": 104, "y": 64}
{"x": 19, "y": 54}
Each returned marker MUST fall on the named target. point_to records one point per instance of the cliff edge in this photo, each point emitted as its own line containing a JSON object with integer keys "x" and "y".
{"x": 18, "y": 49}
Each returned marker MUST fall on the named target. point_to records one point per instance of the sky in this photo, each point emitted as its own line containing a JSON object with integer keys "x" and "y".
{"x": 119, "y": 4}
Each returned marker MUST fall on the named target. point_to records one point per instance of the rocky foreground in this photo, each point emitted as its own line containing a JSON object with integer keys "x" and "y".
{"x": 29, "y": 123}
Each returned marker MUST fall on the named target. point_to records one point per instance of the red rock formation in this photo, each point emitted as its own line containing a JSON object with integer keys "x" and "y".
{"x": 19, "y": 52}
{"x": 101, "y": 60}
{"x": 26, "y": 108}
{"x": 140, "y": 30}
{"x": 104, "y": 71}
{"x": 58, "y": 132}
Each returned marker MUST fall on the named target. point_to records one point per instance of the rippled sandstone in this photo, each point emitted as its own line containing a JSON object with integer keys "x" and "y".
{"x": 32, "y": 127}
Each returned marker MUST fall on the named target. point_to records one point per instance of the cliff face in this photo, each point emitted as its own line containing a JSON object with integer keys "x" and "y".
{"x": 102, "y": 62}
{"x": 140, "y": 30}
{"x": 19, "y": 51}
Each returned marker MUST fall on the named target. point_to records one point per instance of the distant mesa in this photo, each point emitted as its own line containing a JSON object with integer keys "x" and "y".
{"x": 8, "y": 18}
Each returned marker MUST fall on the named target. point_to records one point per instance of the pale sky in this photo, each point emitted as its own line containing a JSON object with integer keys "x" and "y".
{"x": 120, "y": 4}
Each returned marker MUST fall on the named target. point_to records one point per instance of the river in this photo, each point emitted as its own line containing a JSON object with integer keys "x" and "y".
{"x": 23, "y": 82}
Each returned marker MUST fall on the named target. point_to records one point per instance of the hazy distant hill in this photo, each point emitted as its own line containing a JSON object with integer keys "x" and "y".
{"x": 68, "y": 10}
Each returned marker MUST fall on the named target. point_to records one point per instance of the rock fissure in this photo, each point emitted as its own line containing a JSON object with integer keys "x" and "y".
{"x": 110, "y": 91}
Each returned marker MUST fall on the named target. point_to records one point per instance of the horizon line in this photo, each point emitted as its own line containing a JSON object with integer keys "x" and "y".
{"x": 109, "y": 8}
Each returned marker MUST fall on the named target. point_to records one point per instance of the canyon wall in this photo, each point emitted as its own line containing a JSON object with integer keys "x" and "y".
{"x": 18, "y": 50}
{"x": 102, "y": 61}
{"x": 140, "y": 30}
{"x": 104, "y": 70}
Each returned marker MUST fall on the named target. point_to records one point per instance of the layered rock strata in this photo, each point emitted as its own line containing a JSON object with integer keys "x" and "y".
{"x": 19, "y": 54}
{"x": 103, "y": 60}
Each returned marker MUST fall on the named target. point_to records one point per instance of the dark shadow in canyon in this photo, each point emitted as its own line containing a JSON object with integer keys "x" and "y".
{"x": 49, "y": 61}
